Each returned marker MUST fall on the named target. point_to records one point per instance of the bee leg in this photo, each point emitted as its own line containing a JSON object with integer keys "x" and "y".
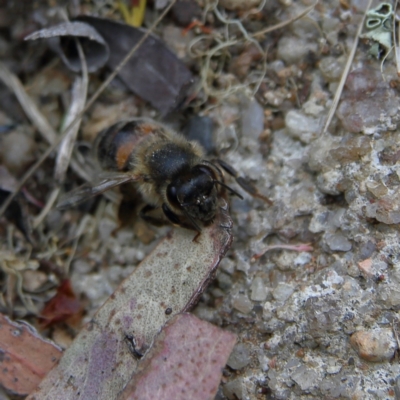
{"x": 177, "y": 221}
{"x": 148, "y": 218}
{"x": 243, "y": 182}
{"x": 171, "y": 215}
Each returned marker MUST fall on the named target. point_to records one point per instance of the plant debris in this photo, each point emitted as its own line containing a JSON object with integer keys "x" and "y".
{"x": 63, "y": 307}
{"x": 169, "y": 281}
{"x": 186, "y": 360}
{"x": 287, "y": 93}
{"x": 25, "y": 357}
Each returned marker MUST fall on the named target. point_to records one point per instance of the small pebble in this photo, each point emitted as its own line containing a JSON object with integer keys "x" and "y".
{"x": 329, "y": 182}
{"x": 106, "y": 227}
{"x": 338, "y": 242}
{"x": 282, "y": 292}
{"x": 240, "y": 357}
{"x": 206, "y": 314}
{"x": 185, "y": 11}
{"x": 95, "y": 287}
{"x": 264, "y": 362}
{"x": 252, "y": 120}
{"x": 303, "y": 127}
{"x": 242, "y": 263}
{"x": 375, "y": 346}
{"x": 285, "y": 261}
{"x": 242, "y": 303}
{"x": 268, "y": 311}
{"x": 258, "y": 290}
{"x": 331, "y": 68}
{"x": 292, "y": 49}
{"x": 233, "y": 390}
{"x": 33, "y": 280}
{"x": 305, "y": 377}
{"x": 17, "y": 151}
{"x": 224, "y": 281}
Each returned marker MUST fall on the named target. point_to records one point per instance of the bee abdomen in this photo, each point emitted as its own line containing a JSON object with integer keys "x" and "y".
{"x": 115, "y": 146}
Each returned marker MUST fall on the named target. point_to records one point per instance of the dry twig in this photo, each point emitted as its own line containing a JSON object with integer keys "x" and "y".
{"x": 345, "y": 73}
{"x": 284, "y": 23}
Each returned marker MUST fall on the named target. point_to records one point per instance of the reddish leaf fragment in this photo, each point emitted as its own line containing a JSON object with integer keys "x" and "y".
{"x": 186, "y": 361}
{"x": 62, "y": 306}
{"x": 99, "y": 363}
{"x": 25, "y": 358}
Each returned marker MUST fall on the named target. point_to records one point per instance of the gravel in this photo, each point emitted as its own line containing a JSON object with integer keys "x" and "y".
{"x": 319, "y": 324}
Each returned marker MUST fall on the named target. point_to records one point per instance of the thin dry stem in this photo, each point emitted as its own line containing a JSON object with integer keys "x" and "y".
{"x": 294, "y": 247}
{"x": 396, "y": 41}
{"x": 78, "y": 99}
{"x": 46, "y": 209}
{"x": 284, "y": 23}
{"x": 33, "y": 113}
{"x": 345, "y": 73}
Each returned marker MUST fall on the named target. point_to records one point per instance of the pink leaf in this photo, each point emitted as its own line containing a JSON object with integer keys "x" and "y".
{"x": 25, "y": 358}
{"x": 185, "y": 362}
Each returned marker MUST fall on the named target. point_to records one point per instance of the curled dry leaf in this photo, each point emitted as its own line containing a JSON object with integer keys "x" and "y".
{"x": 186, "y": 361}
{"x": 154, "y": 73}
{"x": 61, "y": 40}
{"x": 25, "y": 358}
{"x": 99, "y": 364}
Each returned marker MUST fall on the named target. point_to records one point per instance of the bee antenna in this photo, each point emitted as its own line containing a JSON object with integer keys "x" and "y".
{"x": 229, "y": 188}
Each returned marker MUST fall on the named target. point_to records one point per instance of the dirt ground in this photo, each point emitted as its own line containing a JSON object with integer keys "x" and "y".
{"x": 316, "y": 316}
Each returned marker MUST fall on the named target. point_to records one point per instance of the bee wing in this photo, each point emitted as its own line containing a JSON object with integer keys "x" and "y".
{"x": 88, "y": 190}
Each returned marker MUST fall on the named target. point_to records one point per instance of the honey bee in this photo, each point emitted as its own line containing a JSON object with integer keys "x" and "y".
{"x": 169, "y": 171}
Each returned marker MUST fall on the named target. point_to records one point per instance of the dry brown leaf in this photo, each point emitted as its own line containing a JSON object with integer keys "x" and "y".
{"x": 99, "y": 364}
{"x": 154, "y": 73}
{"x": 25, "y": 358}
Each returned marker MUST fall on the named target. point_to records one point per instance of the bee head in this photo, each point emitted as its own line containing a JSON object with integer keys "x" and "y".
{"x": 195, "y": 193}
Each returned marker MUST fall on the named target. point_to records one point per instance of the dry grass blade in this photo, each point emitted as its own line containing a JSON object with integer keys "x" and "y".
{"x": 46, "y": 209}
{"x": 284, "y": 23}
{"x": 78, "y": 99}
{"x": 396, "y": 41}
{"x": 345, "y": 73}
{"x": 33, "y": 113}
{"x": 88, "y": 105}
